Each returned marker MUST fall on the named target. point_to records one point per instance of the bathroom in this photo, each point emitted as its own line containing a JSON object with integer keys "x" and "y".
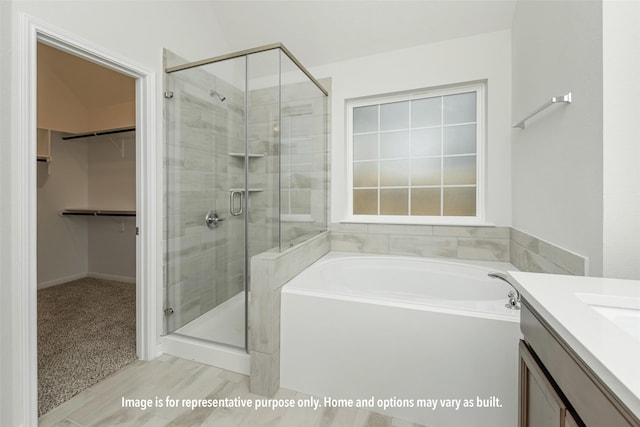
{"x": 559, "y": 196}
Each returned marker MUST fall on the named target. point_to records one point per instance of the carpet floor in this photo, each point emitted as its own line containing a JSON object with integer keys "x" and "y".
{"x": 86, "y": 331}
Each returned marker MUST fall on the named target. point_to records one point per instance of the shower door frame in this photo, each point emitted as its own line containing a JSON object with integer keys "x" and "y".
{"x": 248, "y": 52}
{"x": 245, "y": 53}
{"x": 170, "y": 304}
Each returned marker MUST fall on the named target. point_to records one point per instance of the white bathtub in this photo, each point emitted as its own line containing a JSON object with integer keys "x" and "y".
{"x": 405, "y": 330}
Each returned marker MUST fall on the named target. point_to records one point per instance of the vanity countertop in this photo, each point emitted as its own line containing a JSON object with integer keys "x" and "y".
{"x": 567, "y": 304}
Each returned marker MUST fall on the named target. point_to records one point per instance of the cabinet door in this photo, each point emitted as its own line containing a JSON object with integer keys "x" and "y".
{"x": 540, "y": 404}
{"x": 569, "y": 421}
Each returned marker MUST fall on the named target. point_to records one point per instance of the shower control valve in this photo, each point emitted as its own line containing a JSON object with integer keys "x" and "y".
{"x": 212, "y": 219}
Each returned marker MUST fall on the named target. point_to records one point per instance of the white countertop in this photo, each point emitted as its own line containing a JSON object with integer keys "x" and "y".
{"x": 612, "y": 353}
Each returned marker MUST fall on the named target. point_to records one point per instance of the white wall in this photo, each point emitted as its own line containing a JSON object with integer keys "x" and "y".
{"x": 87, "y": 173}
{"x": 62, "y": 241}
{"x": 112, "y": 185}
{"x": 556, "y": 160}
{"x": 135, "y": 31}
{"x": 621, "y": 221}
{"x": 485, "y": 56}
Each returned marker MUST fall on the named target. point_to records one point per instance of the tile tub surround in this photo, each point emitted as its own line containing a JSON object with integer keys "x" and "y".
{"x": 523, "y": 250}
{"x": 476, "y": 243}
{"x": 529, "y": 253}
{"x": 269, "y": 272}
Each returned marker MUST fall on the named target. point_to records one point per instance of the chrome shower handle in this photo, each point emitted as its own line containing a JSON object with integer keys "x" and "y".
{"x": 232, "y": 202}
{"x": 212, "y": 219}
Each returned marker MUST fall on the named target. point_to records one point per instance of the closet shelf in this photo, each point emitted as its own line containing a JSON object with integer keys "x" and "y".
{"x": 98, "y": 133}
{"x": 97, "y": 212}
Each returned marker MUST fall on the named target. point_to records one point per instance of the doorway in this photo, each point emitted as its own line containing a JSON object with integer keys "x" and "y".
{"x": 86, "y": 227}
{"x": 23, "y": 402}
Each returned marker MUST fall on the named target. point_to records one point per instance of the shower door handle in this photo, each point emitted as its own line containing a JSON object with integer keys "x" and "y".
{"x": 233, "y": 196}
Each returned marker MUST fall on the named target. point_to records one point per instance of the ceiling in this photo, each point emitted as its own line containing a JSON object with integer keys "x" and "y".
{"x": 316, "y": 31}
{"x": 321, "y": 32}
{"x": 93, "y": 85}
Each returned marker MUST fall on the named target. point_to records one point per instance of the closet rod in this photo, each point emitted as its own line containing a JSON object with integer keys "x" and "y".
{"x": 96, "y": 212}
{"x": 98, "y": 133}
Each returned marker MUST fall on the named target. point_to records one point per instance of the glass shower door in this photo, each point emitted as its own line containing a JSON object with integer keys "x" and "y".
{"x": 205, "y": 229}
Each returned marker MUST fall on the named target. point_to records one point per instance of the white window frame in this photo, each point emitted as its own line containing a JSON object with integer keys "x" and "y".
{"x": 479, "y": 219}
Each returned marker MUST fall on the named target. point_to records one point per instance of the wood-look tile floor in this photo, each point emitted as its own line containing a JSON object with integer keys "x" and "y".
{"x": 102, "y": 405}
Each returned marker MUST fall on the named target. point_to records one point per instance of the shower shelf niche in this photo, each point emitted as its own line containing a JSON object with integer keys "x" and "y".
{"x": 240, "y": 190}
{"x": 250, "y": 155}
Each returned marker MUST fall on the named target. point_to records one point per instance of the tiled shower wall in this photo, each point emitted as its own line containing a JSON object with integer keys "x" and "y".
{"x": 203, "y": 267}
{"x": 304, "y": 162}
{"x": 205, "y": 161}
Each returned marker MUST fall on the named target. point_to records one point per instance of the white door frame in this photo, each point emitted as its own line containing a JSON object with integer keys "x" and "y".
{"x": 148, "y": 204}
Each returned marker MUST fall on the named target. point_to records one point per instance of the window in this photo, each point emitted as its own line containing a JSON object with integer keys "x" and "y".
{"x": 418, "y": 157}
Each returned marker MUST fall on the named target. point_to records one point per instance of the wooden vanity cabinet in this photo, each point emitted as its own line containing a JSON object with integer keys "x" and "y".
{"x": 541, "y": 405}
{"x": 557, "y": 388}
{"x": 569, "y": 421}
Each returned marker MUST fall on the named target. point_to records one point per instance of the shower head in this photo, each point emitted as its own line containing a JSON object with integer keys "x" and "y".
{"x": 214, "y": 93}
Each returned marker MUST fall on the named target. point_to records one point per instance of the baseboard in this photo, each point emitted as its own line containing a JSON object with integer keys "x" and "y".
{"x": 218, "y": 355}
{"x": 62, "y": 280}
{"x": 113, "y": 277}
{"x": 77, "y": 276}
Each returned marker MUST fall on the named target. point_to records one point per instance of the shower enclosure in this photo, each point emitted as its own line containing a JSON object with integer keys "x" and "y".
{"x": 246, "y": 172}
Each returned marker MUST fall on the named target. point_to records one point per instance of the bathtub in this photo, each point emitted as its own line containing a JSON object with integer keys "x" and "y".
{"x": 413, "y": 338}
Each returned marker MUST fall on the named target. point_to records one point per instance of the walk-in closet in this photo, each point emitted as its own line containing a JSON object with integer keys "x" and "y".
{"x": 86, "y": 222}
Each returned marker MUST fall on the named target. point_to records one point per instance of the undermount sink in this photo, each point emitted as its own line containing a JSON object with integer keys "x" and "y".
{"x": 624, "y": 312}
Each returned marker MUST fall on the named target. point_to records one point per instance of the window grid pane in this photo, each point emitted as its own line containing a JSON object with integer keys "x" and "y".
{"x": 424, "y": 161}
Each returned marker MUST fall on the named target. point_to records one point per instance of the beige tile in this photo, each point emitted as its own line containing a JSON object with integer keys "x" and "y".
{"x": 58, "y": 414}
{"x": 465, "y": 231}
{"x": 527, "y": 260}
{"x": 573, "y": 263}
{"x": 397, "y": 422}
{"x": 188, "y": 417}
{"x": 525, "y": 240}
{"x": 179, "y": 378}
{"x": 339, "y": 417}
{"x": 423, "y": 246}
{"x": 294, "y": 260}
{"x": 298, "y": 416}
{"x": 265, "y": 373}
{"x": 483, "y": 249}
{"x": 360, "y": 242}
{"x": 348, "y": 227}
{"x": 402, "y": 229}
{"x": 377, "y": 420}
{"x": 268, "y": 416}
{"x": 261, "y": 307}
